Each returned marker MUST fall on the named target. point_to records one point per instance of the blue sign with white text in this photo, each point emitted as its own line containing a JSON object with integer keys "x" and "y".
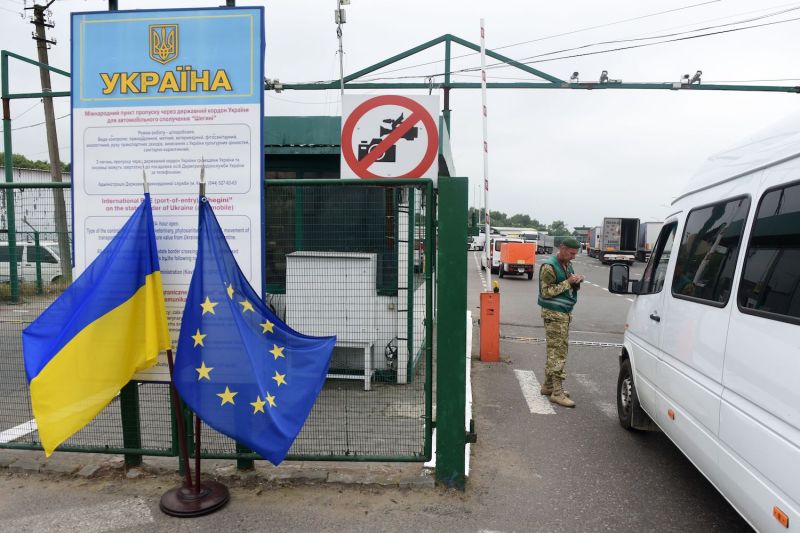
{"x": 167, "y": 57}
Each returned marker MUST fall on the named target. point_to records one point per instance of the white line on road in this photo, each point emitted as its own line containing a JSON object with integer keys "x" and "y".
{"x": 17, "y": 431}
{"x": 97, "y": 518}
{"x": 537, "y": 403}
{"x": 629, "y": 299}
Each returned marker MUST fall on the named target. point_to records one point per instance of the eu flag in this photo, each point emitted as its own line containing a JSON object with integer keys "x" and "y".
{"x": 240, "y": 368}
{"x": 109, "y": 324}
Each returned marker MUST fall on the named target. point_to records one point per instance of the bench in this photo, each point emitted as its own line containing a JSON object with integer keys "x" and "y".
{"x": 367, "y": 347}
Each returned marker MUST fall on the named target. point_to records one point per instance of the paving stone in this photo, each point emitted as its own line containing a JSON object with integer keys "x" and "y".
{"x": 300, "y": 475}
{"x": 25, "y": 464}
{"x": 89, "y": 470}
{"x": 61, "y": 467}
{"x": 6, "y": 459}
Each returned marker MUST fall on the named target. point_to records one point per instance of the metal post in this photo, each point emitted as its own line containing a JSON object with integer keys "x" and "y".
{"x": 430, "y": 262}
{"x": 62, "y": 231}
{"x": 7, "y": 163}
{"x": 446, "y": 109}
{"x": 131, "y": 430}
{"x": 487, "y": 223}
{"x": 341, "y": 47}
{"x": 451, "y": 362}
{"x": 38, "y": 259}
{"x": 410, "y": 286}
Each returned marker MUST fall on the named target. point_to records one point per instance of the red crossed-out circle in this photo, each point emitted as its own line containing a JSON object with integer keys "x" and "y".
{"x": 418, "y": 114}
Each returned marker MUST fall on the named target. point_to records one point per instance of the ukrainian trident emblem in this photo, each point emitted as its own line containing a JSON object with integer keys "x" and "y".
{"x": 163, "y": 42}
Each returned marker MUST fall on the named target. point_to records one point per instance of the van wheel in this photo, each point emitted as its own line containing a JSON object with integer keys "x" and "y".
{"x": 58, "y": 280}
{"x": 627, "y": 400}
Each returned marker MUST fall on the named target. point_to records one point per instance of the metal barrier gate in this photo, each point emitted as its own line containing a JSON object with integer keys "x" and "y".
{"x": 353, "y": 259}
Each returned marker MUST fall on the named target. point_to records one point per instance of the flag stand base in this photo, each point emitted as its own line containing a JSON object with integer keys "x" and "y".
{"x": 184, "y": 502}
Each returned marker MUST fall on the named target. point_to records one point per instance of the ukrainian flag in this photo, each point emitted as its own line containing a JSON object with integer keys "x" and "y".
{"x": 109, "y": 324}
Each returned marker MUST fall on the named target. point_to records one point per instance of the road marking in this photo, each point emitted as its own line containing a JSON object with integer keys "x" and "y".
{"x": 18, "y": 431}
{"x": 537, "y": 403}
{"x": 97, "y": 518}
{"x": 480, "y": 272}
{"x": 629, "y": 299}
{"x": 605, "y": 289}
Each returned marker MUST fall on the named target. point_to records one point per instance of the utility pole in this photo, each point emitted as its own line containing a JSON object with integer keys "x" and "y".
{"x": 341, "y": 18}
{"x": 62, "y": 231}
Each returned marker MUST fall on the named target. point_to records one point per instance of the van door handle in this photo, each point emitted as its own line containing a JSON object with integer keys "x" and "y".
{"x": 655, "y": 317}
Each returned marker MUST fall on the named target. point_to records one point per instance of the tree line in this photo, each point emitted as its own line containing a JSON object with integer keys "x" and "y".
{"x": 520, "y": 220}
{"x": 20, "y": 161}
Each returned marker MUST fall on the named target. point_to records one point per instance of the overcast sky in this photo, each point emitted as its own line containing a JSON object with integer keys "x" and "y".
{"x": 554, "y": 154}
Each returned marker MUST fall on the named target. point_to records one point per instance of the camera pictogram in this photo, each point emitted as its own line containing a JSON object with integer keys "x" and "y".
{"x": 390, "y": 155}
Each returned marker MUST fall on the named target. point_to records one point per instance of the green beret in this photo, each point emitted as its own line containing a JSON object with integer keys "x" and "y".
{"x": 570, "y": 242}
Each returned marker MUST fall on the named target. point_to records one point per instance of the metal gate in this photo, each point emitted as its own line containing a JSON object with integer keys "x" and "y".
{"x": 353, "y": 259}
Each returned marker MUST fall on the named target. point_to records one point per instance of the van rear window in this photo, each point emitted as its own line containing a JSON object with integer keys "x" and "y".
{"x": 5, "y": 255}
{"x": 709, "y": 248}
{"x": 770, "y": 282}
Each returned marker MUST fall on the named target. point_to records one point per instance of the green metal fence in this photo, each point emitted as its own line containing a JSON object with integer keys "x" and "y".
{"x": 347, "y": 258}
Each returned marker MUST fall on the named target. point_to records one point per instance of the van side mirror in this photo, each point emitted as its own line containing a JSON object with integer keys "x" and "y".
{"x": 619, "y": 279}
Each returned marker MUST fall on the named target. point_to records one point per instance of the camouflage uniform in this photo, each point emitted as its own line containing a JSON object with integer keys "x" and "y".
{"x": 556, "y": 327}
{"x": 556, "y": 323}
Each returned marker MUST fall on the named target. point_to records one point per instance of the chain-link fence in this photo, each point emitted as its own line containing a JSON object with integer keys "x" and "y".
{"x": 351, "y": 259}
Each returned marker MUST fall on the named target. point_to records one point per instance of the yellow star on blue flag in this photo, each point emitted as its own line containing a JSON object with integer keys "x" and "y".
{"x": 253, "y": 354}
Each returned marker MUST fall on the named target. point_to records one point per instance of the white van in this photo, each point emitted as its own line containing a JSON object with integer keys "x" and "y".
{"x": 27, "y": 256}
{"x": 712, "y": 340}
{"x": 495, "y": 242}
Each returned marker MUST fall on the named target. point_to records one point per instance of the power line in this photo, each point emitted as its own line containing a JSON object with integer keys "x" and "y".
{"x": 608, "y": 24}
{"x": 37, "y": 124}
{"x": 621, "y": 48}
{"x": 663, "y": 36}
{"x": 31, "y": 107}
{"x": 643, "y": 45}
{"x": 556, "y": 35}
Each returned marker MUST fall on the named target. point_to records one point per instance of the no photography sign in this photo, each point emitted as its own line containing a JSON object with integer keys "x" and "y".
{"x": 390, "y": 136}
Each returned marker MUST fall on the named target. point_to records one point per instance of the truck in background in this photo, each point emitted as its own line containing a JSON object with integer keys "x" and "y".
{"x": 619, "y": 240}
{"x": 517, "y": 258}
{"x": 594, "y": 240}
{"x": 478, "y": 242}
{"x": 545, "y": 243}
{"x": 648, "y": 233}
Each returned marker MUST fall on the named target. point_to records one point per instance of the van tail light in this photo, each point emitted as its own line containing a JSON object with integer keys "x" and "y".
{"x": 780, "y": 516}
{"x": 671, "y": 415}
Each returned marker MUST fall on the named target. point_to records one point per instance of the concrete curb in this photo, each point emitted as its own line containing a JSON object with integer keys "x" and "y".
{"x": 103, "y": 467}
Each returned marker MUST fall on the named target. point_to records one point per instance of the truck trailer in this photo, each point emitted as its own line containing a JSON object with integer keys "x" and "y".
{"x": 594, "y": 241}
{"x": 648, "y": 233}
{"x": 545, "y": 243}
{"x": 619, "y": 239}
